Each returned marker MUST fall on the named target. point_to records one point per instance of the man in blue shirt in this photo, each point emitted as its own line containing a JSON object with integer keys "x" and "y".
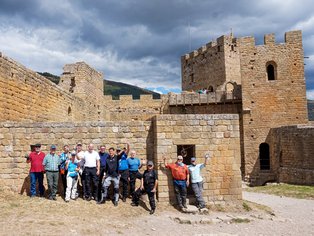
{"x": 134, "y": 165}
{"x": 124, "y": 170}
{"x": 51, "y": 163}
{"x": 103, "y": 157}
{"x": 197, "y": 180}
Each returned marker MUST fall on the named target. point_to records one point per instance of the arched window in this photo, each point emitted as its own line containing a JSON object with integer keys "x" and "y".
{"x": 210, "y": 89}
{"x": 271, "y": 69}
{"x": 264, "y": 157}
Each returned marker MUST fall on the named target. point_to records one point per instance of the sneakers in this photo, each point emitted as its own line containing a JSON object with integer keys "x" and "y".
{"x": 124, "y": 199}
{"x": 67, "y": 200}
{"x": 115, "y": 203}
{"x": 54, "y": 198}
{"x": 103, "y": 201}
{"x": 134, "y": 204}
{"x": 88, "y": 198}
{"x": 184, "y": 205}
{"x": 152, "y": 211}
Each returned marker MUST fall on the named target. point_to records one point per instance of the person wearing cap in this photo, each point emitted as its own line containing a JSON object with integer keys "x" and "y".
{"x": 64, "y": 157}
{"x": 124, "y": 170}
{"x": 36, "y": 171}
{"x": 91, "y": 172}
{"x": 197, "y": 180}
{"x": 111, "y": 177}
{"x": 149, "y": 183}
{"x": 80, "y": 160}
{"x": 103, "y": 157}
{"x": 72, "y": 167}
{"x": 134, "y": 165}
{"x": 51, "y": 163}
{"x": 180, "y": 175}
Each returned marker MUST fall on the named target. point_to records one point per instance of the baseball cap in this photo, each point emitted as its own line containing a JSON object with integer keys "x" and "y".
{"x": 53, "y": 146}
{"x": 193, "y": 158}
{"x": 150, "y": 163}
{"x": 180, "y": 157}
{"x": 73, "y": 153}
{"x": 37, "y": 145}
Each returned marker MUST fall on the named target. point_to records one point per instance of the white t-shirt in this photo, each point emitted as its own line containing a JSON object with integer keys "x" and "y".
{"x": 91, "y": 158}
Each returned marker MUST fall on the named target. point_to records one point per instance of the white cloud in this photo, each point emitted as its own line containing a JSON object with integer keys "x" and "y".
{"x": 310, "y": 94}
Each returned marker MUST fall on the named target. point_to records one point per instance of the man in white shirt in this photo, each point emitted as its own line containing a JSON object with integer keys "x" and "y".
{"x": 91, "y": 172}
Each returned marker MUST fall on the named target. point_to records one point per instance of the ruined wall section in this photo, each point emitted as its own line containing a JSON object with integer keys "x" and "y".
{"x": 270, "y": 103}
{"x": 16, "y": 138}
{"x": 216, "y": 134}
{"x": 28, "y": 96}
{"x": 292, "y": 149}
{"x": 211, "y": 65}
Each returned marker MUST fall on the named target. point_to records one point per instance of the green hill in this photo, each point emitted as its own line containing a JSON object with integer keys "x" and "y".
{"x": 112, "y": 88}
{"x": 117, "y": 88}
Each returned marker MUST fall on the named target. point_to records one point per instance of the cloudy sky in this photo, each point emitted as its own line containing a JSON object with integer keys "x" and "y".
{"x": 140, "y": 42}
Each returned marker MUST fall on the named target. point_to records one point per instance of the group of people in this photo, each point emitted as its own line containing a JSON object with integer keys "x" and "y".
{"x": 96, "y": 171}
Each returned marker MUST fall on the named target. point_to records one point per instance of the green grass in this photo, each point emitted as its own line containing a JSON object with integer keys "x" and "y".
{"x": 287, "y": 190}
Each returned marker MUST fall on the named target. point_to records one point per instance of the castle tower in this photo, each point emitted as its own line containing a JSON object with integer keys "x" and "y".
{"x": 83, "y": 81}
{"x": 212, "y": 66}
{"x": 273, "y": 95}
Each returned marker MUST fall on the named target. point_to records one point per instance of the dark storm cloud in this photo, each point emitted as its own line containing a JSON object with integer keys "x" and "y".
{"x": 140, "y": 41}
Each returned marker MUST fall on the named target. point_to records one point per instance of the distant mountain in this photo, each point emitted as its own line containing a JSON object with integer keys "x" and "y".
{"x": 310, "y": 108}
{"x": 117, "y": 88}
{"x": 112, "y": 88}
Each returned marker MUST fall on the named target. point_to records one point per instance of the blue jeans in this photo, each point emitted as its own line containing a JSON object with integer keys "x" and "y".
{"x": 39, "y": 176}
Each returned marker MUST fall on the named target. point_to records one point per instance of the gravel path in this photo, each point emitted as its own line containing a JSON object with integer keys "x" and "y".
{"x": 24, "y": 216}
{"x": 293, "y": 216}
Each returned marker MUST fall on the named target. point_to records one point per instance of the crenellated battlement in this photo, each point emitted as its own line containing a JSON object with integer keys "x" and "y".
{"x": 129, "y": 98}
{"x": 211, "y": 47}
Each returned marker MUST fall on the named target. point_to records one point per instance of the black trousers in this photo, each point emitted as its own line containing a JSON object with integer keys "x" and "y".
{"x": 133, "y": 176}
{"x": 64, "y": 181}
{"x": 151, "y": 196}
{"x": 124, "y": 179}
{"x": 90, "y": 177}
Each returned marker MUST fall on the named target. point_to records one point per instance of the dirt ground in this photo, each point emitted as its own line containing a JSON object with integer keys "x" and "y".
{"x": 21, "y": 215}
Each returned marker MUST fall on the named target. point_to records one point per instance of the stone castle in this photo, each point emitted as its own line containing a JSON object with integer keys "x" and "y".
{"x": 253, "y": 120}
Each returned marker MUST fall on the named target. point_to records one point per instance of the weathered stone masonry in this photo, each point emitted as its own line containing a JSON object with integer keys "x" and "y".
{"x": 217, "y": 134}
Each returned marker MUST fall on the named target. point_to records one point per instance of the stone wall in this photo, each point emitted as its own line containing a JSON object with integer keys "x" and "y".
{"x": 270, "y": 103}
{"x": 291, "y": 151}
{"x": 15, "y": 140}
{"x": 128, "y": 109}
{"x": 28, "y": 96}
{"x": 217, "y": 134}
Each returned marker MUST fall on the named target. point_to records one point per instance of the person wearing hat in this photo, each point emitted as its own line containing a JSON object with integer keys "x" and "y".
{"x": 36, "y": 171}
{"x": 81, "y": 161}
{"x": 149, "y": 183}
{"x": 197, "y": 180}
{"x": 64, "y": 157}
{"x": 72, "y": 167}
{"x": 180, "y": 175}
{"x": 51, "y": 163}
